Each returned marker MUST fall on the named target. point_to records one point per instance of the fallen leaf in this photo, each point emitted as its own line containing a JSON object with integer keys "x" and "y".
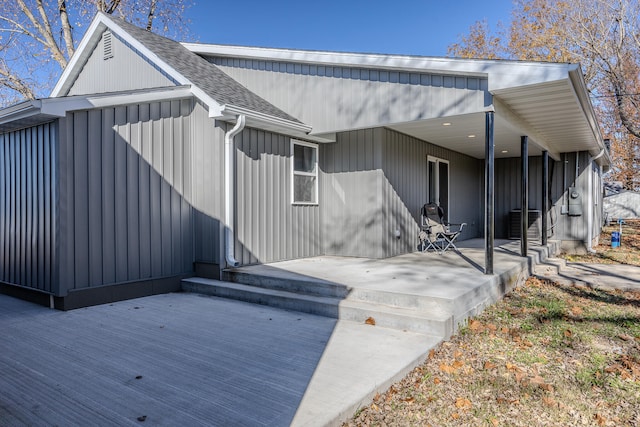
{"x": 370, "y": 321}
{"x": 600, "y": 419}
{"x": 457, "y": 354}
{"x": 576, "y": 311}
{"x": 568, "y": 333}
{"x": 616, "y": 367}
{"x": 409, "y": 400}
{"x": 492, "y": 327}
{"x": 549, "y": 401}
{"x": 495, "y": 422}
{"x": 625, "y": 337}
{"x": 537, "y": 380}
{"x": 512, "y": 367}
{"x": 489, "y": 365}
{"x": 375, "y": 407}
{"x": 455, "y": 415}
{"x": 458, "y": 364}
{"x": 463, "y": 403}
{"x": 432, "y": 353}
{"x": 527, "y": 343}
{"x": 436, "y": 380}
{"x": 447, "y": 369}
{"x": 475, "y": 325}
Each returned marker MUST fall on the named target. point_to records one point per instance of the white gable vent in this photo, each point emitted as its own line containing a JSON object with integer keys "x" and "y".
{"x": 107, "y": 45}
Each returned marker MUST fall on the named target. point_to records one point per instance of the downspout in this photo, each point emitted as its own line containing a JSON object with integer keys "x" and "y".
{"x": 590, "y": 203}
{"x": 229, "y": 175}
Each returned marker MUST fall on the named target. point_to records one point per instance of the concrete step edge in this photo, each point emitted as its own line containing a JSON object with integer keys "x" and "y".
{"x": 434, "y": 323}
{"x": 309, "y": 285}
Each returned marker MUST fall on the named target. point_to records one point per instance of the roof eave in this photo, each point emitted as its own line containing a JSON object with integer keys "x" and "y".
{"x": 268, "y": 122}
{"x": 579, "y": 87}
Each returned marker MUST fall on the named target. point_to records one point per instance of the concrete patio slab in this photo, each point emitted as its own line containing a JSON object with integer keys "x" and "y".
{"x": 185, "y": 359}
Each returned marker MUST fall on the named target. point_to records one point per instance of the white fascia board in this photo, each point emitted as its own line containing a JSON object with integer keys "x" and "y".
{"x": 20, "y": 111}
{"x": 140, "y": 97}
{"x": 500, "y": 73}
{"x": 579, "y": 87}
{"x": 60, "y": 106}
{"x": 265, "y": 118}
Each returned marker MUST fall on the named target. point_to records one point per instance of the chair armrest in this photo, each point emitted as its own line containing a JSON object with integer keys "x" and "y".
{"x": 461, "y": 225}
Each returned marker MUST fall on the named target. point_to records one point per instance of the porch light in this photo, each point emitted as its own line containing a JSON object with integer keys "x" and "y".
{"x": 504, "y": 151}
{"x": 446, "y": 124}
{"x": 471, "y": 136}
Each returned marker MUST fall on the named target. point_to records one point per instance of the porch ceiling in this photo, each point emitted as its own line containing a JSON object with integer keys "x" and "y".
{"x": 550, "y": 114}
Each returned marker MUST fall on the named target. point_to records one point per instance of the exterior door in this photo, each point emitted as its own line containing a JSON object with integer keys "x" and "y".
{"x": 438, "y": 183}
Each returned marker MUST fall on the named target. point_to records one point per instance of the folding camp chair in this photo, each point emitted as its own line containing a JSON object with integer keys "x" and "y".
{"x": 435, "y": 233}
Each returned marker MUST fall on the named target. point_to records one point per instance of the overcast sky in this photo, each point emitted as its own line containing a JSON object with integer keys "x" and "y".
{"x": 416, "y": 27}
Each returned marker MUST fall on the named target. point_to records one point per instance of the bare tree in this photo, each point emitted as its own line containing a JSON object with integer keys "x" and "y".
{"x": 602, "y": 35}
{"x": 38, "y": 37}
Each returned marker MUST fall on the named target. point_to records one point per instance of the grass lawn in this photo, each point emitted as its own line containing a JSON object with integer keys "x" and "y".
{"x": 544, "y": 355}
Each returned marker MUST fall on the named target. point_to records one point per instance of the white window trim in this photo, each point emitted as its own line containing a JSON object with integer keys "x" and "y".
{"x": 437, "y": 161}
{"x": 295, "y": 142}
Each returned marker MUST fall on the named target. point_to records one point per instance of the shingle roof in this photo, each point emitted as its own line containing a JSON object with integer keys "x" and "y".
{"x": 201, "y": 73}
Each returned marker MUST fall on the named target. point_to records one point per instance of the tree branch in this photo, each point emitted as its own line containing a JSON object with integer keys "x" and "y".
{"x": 151, "y": 14}
{"x": 45, "y": 31}
{"x": 66, "y": 28}
{"x": 15, "y": 83}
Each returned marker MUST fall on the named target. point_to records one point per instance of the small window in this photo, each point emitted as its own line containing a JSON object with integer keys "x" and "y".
{"x": 107, "y": 45}
{"x": 305, "y": 172}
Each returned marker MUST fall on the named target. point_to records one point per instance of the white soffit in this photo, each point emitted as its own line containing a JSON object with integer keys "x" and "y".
{"x": 553, "y": 110}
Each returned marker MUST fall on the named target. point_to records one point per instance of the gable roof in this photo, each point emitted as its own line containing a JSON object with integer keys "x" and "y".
{"x": 224, "y": 96}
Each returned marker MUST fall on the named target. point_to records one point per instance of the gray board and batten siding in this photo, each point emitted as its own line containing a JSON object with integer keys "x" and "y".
{"x": 374, "y": 182}
{"x": 125, "y": 214}
{"x": 268, "y": 226}
{"x": 562, "y": 176}
{"x": 28, "y": 207}
{"x": 334, "y": 98}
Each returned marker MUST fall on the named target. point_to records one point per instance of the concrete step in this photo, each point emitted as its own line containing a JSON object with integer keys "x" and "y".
{"x": 438, "y": 323}
{"x": 299, "y": 284}
{"x": 549, "y": 267}
{"x": 319, "y": 287}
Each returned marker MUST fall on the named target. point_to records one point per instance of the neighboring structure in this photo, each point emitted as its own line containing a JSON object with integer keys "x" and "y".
{"x": 154, "y": 160}
{"x": 620, "y": 203}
